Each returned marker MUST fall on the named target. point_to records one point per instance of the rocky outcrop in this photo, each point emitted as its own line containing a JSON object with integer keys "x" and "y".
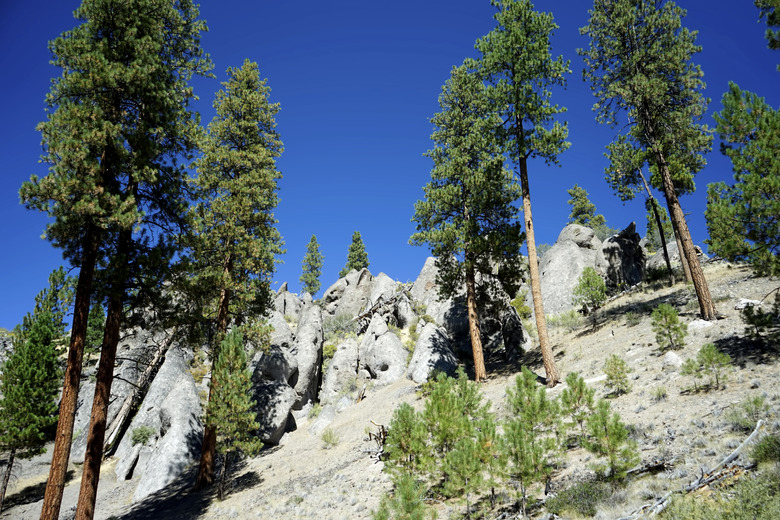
{"x": 349, "y": 295}
{"x": 562, "y": 265}
{"x": 382, "y": 354}
{"x": 286, "y": 303}
{"x": 657, "y": 261}
{"x": 431, "y": 352}
{"x": 274, "y": 400}
{"x": 621, "y": 259}
{"x": 308, "y": 353}
{"x": 342, "y": 371}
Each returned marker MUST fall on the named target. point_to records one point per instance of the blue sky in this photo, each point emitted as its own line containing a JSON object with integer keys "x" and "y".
{"x": 357, "y": 82}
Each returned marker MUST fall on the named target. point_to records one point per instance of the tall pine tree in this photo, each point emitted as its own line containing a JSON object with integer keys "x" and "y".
{"x": 639, "y": 64}
{"x": 357, "y": 258}
{"x": 312, "y": 267}
{"x": 520, "y": 72}
{"x": 233, "y": 241}
{"x": 468, "y": 218}
{"x": 583, "y": 211}
{"x": 118, "y": 122}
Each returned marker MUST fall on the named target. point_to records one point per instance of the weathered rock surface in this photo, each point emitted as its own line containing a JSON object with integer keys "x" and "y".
{"x": 308, "y": 352}
{"x": 382, "y": 354}
{"x": 657, "y": 261}
{"x": 621, "y": 259}
{"x": 349, "y": 295}
{"x": 287, "y": 303}
{"x": 282, "y": 335}
{"x": 274, "y": 400}
{"x": 431, "y": 352}
{"x": 342, "y": 371}
{"x": 278, "y": 364}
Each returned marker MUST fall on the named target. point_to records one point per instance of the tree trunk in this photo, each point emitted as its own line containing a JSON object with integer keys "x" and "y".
{"x": 683, "y": 260}
{"x": 52, "y": 499}
{"x": 85, "y": 509}
{"x": 208, "y": 449}
{"x": 476, "y": 339}
{"x": 706, "y": 305}
{"x": 536, "y": 289}
{"x": 122, "y": 420}
{"x": 659, "y": 225}
{"x": 7, "y": 477}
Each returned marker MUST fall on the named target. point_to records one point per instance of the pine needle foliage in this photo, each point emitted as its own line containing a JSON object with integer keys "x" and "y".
{"x": 608, "y": 437}
{"x": 312, "y": 267}
{"x": 230, "y": 409}
{"x": 590, "y": 293}
{"x": 357, "y": 258}
{"x": 617, "y": 372}
{"x": 583, "y": 211}
{"x": 670, "y": 332}
{"x": 577, "y": 401}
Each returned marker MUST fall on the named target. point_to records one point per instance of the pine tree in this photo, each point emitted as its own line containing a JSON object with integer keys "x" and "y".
{"x": 608, "y": 437}
{"x": 312, "y": 267}
{"x": 744, "y": 219}
{"x": 357, "y": 258}
{"x": 583, "y": 211}
{"x": 770, "y": 9}
{"x": 230, "y": 410}
{"x": 232, "y": 245}
{"x": 30, "y": 377}
{"x": 520, "y": 73}
{"x": 590, "y": 293}
{"x": 468, "y": 218}
{"x": 639, "y": 63}
{"x": 117, "y": 124}
{"x": 654, "y": 234}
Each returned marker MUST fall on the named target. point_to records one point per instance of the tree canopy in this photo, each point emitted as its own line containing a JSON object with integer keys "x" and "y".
{"x": 312, "y": 267}
{"x": 357, "y": 258}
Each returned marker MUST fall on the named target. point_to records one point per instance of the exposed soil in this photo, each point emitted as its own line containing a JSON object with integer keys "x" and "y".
{"x": 303, "y": 479}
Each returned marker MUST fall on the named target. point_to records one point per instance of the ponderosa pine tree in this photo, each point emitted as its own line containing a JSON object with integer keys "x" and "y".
{"x": 30, "y": 377}
{"x": 770, "y": 9}
{"x": 357, "y": 258}
{"x": 520, "y": 72}
{"x": 583, "y": 211}
{"x": 468, "y": 218}
{"x": 639, "y": 63}
{"x": 230, "y": 410}
{"x": 233, "y": 242}
{"x": 744, "y": 219}
{"x": 118, "y": 122}
{"x": 312, "y": 267}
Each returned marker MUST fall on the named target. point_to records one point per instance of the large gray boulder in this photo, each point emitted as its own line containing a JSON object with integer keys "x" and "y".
{"x": 287, "y": 303}
{"x": 179, "y": 446}
{"x": 308, "y": 353}
{"x": 621, "y": 259}
{"x": 425, "y": 290}
{"x": 382, "y": 288}
{"x": 174, "y": 369}
{"x": 342, "y": 371}
{"x": 277, "y": 364}
{"x": 657, "y": 260}
{"x": 274, "y": 401}
{"x": 382, "y": 354}
{"x": 562, "y": 265}
{"x": 281, "y": 335}
{"x": 431, "y": 352}
{"x": 349, "y": 295}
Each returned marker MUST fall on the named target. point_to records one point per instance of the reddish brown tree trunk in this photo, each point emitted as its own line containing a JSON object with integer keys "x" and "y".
{"x": 536, "y": 289}
{"x": 7, "y": 476}
{"x": 209, "y": 448}
{"x": 476, "y": 339}
{"x": 85, "y": 509}
{"x": 659, "y": 225}
{"x": 52, "y": 499}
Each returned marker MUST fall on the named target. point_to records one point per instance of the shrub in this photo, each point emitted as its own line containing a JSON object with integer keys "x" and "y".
{"x": 570, "y": 320}
{"x": 713, "y": 363}
{"x": 406, "y": 502}
{"x": 583, "y": 498}
{"x": 523, "y": 310}
{"x": 577, "y": 401}
{"x": 691, "y": 368}
{"x": 315, "y": 410}
{"x": 337, "y": 328}
{"x": 745, "y": 415}
{"x": 767, "y": 449}
{"x": 329, "y": 438}
{"x": 617, "y": 372}
{"x": 590, "y": 293}
{"x": 762, "y": 325}
{"x": 633, "y": 319}
{"x": 608, "y": 437}
{"x": 669, "y": 331}
{"x": 142, "y": 434}
{"x": 659, "y": 393}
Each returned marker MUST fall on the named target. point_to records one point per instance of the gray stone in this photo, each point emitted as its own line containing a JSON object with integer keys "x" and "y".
{"x": 382, "y": 288}
{"x": 179, "y": 446}
{"x": 282, "y": 335}
{"x": 582, "y": 236}
{"x": 323, "y": 419}
{"x": 431, "y": 352}
{"x": 671, "y": 361}
{"x": 278, "y": 364}
{"x": 349, "y": 295}
{"x": 308, "y": 353}
{"x": 743, "y": 303}
{"x": 273, "y": 402}
{"x": 342, "y": 371}
{"x": 287, "y": 303}
{"x": 561, "y": 267}
{"x": 657, "y": 260}
{"x": 381, "y": 353}
{"x": 404, "y": 313}
{"x": 424, "y": 290}
{"x": 621, "y": 259}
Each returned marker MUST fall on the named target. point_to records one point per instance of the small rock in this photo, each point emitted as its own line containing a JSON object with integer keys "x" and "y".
{"x": 699, "y": 324}
{"x": 744, "y": 302}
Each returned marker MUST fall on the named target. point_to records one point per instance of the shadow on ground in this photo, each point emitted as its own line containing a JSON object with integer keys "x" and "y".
{"x": 30, "y": 494}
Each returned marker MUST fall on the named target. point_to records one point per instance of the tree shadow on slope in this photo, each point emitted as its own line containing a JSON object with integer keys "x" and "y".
{"x": 744, "y": 349}
{"x": 31, "y": 493}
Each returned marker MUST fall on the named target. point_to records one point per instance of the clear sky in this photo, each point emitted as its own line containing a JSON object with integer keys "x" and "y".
{"x": 357, "y": 82}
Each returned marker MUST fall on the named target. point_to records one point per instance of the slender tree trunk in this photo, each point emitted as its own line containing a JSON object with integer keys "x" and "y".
{"x": 52, "y": 499}
{"x": 658, "y": 224}
{"x": 7, "y": 477}
{"x": 85, "y": 509}
{"x": 209, "y": 448}
{"x": 476, "y": 339}
{"x": 706, "y": 306}
{"x": 536, "y": 289}
{"x": 683, "y": 260}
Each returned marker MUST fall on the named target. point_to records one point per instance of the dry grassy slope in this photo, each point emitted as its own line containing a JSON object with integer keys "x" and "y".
{"x": 301, "y": 479}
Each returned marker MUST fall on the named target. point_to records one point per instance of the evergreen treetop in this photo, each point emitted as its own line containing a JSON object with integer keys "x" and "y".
{"x": 312, "y": 267}
{"x": 357, "y": 258}
{"x": 583, "y": 211}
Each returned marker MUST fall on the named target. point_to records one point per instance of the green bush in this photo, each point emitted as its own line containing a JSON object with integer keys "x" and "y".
{"x": 608, "y": 437}
{"x": 709, "y": 361}
{"x": 744, "y": 416}
{"x": 577, "y": 401}
{"x": 633, "y": 319}
{"x": 569, "y": 320}
{"x": 329, "y": 438}
{"x": 523, "y": 310}
{"x": 669, "y": 331}
{"x": 659, "y": 393}
{"x": 337, "y": 328}
{"x": 767, "y": 449}
{"x": 142, "y": 434}
{"x": 406, "y": 503}
{"x": 583, "y": 498}
{"x": 590, "y": 293}
{"x": 617, "y": 372}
